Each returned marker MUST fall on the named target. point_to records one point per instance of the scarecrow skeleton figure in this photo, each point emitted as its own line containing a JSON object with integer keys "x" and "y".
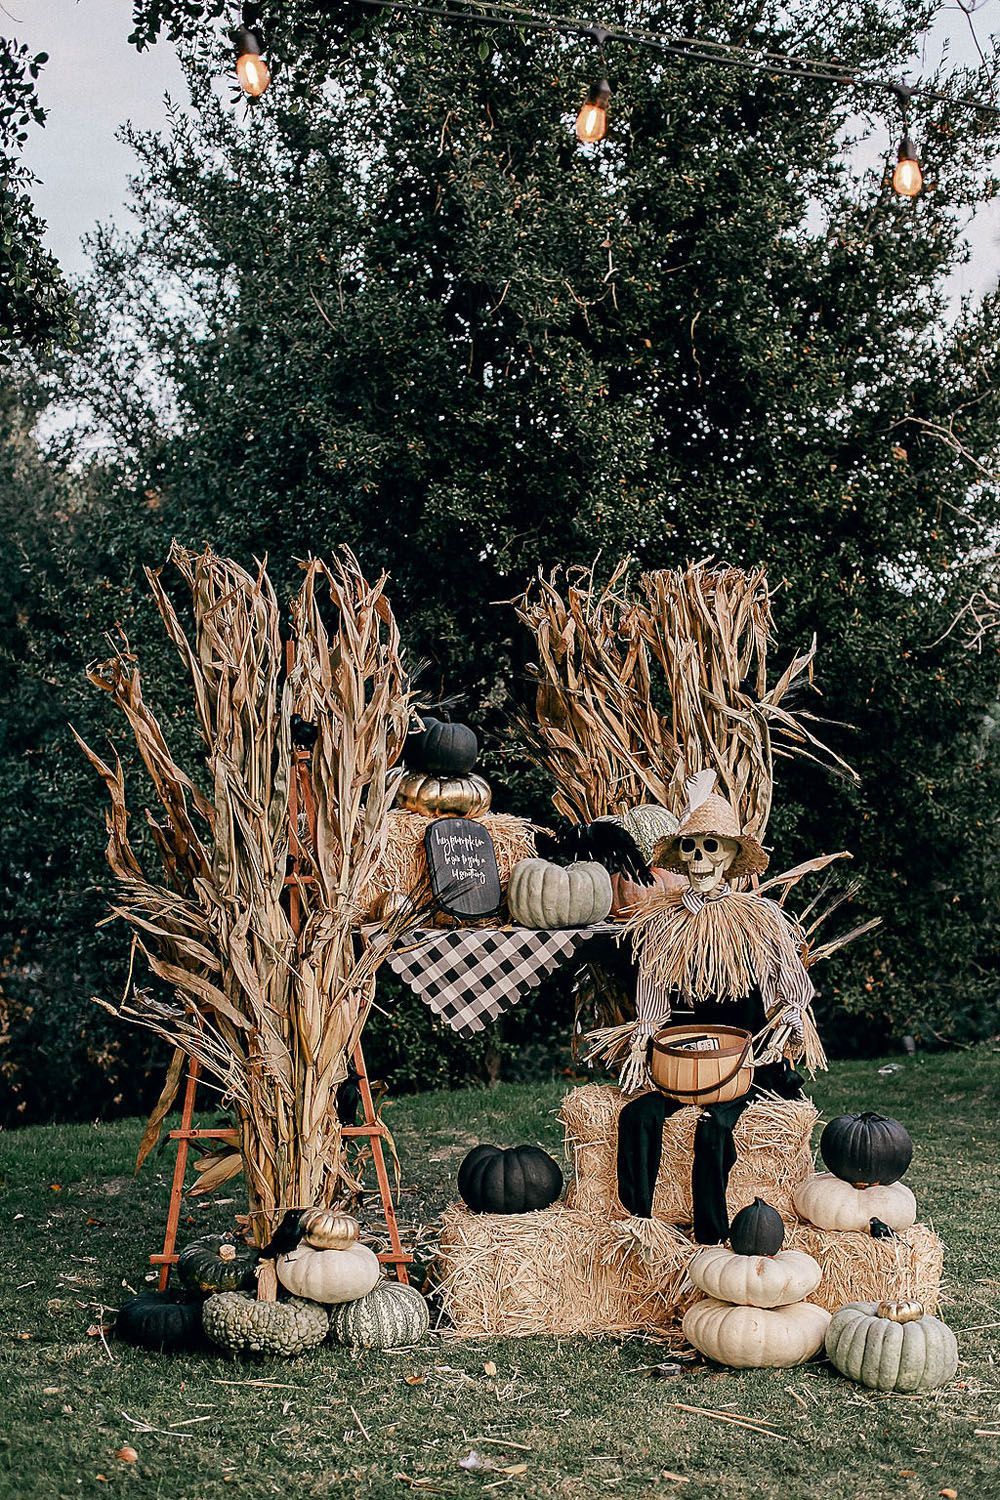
{"x": 716, "y": 956}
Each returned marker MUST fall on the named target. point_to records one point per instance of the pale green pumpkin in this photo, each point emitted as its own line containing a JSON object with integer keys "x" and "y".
{"x": 541, "y": 894}
{"x": 392, "y": 1316}
{"x": 869, "y": 1344}
{"x": 648, "y": 824}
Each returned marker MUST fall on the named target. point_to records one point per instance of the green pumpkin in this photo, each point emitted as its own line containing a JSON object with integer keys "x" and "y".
{"x": 648, "y": 824}
{"x": 891, "y": 1346}
{"x": 159, "y": 1320}
{"x": 241, "y": 1324}
{"x": 217, "y": 1263}
{"x": 542, "y": 894}
{"x": 392, "y": 1316}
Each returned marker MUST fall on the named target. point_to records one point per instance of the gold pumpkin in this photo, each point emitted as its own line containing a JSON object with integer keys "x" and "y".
{"x": 329, "y": 1228}
{"x": 390, "y": 904}
{"x": 900, "y": 1312}
{"x": 444, "y": 796}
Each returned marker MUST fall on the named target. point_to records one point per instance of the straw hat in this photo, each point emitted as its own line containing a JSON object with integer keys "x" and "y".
{"x": 709, "y": 814}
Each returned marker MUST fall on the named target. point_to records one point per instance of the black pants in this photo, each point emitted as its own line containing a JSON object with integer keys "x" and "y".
{"x": 640, "y": 1146}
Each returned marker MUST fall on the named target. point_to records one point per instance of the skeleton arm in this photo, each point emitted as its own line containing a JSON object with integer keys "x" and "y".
{"x": 790, "y": 1030}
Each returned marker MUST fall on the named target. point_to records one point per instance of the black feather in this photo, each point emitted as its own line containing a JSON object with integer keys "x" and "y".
{"x": 607, "y": 844}
{"x": 881, "y": 1231}
{"x": 285, "y": 1237}
{"x": 348, "y": 1099}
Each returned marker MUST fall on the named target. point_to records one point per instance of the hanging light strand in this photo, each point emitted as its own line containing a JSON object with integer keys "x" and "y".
{"x": 693, "y": 49}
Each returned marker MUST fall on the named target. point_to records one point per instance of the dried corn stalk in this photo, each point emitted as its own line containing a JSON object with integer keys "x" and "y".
{"x": 709, "y": 630}
{"x": 597, "y": 729}
{"x": 272, "y": 1016}
{"x": 635, "y": 694}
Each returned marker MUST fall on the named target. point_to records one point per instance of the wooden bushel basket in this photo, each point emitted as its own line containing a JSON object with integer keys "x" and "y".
{"x": 714, "y": 1075}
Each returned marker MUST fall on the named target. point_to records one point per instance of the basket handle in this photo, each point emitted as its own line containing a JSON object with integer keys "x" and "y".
{"x": 709, "y": 1088}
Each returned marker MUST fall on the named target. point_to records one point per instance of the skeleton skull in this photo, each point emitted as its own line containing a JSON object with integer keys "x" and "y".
{"x": 706, "y": 858}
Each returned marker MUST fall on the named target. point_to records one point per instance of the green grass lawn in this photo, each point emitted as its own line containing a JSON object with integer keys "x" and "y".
{"x": 567, "y": 1417}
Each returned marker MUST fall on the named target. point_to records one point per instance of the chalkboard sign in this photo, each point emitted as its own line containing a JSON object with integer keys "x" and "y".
{"x": 462, "y": 864}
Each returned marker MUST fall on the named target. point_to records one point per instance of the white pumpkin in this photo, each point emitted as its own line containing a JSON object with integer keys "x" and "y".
{"x": 755, "y": 1280}
{"x": 756, "y": 1338}
{"x": 829, "y": 1203}
{"x": 329, "y": 1276}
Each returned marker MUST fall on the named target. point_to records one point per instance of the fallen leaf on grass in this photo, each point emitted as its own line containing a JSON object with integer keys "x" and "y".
{"x": 513, "y": 1469}
{"x": 489, "y": 1368}
{"x": 416, "y": 1379}
{"x": 127, "y": 1455}
{"x": 949, "y": 1494}
{"x": 907, "y": 1473}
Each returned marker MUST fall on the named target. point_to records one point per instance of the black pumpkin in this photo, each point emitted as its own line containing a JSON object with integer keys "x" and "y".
{"x": 866, "y": 1149}
{"x": 757, "y": 1229}
{"x": 218, "y": 1263}
{"x": 159, "y": 1320}
{"x": 441, "y": 748}
{"x": 517, "y": 1180}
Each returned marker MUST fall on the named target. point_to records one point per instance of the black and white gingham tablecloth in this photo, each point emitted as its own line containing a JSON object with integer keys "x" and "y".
{"x": 470, "y": 975}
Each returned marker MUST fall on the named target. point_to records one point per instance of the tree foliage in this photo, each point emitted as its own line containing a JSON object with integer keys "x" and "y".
{"x": 395, "y": 305}
{"x": 34, "y": 300}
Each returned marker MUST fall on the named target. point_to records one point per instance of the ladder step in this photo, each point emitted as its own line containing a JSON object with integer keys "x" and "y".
{"x": 232, "y": 1137}
{"x": 387, "y": 1257}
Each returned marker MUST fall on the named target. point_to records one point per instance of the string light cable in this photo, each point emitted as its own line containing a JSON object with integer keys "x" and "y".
{"x": 693, "y": 49}
{"x": 592, "y": 120}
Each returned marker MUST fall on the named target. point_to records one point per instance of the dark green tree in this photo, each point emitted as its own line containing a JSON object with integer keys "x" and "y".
{"x": 396, "y": 305}
{"x": 35, "y": 305}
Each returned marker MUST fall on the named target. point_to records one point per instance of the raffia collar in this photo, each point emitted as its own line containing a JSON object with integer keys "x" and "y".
{"x": 694, "y": 903}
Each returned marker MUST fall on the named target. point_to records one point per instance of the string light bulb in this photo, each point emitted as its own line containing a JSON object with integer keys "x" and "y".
{"x": 907, "y": 178}
{"x": 251, "y": 69}
{"x": 592, "y": 121}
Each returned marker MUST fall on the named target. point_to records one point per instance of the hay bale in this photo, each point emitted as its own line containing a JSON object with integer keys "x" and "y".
{"x": 558, "y": 1271}
{"x": 773, "y": 1154}
{"x": 404, "y": 865}
{"x": 857, "y": 1268}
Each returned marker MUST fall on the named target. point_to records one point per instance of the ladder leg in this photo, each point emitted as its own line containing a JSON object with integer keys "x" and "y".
{"x": 180, "y": 1171}
{"x": 400, "y": 1257}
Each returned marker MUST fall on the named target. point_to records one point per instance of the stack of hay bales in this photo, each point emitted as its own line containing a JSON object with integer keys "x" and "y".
{"x": 773, "y": 1154}
{"x": 586, "y": 1267}
{"x": 558, "y": 1271}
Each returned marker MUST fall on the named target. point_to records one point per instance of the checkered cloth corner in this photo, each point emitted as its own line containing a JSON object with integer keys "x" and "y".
{"x": 469, "y": 976}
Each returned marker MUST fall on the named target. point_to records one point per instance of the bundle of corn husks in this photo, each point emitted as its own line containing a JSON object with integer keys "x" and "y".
{"x": 271, "y": 1013}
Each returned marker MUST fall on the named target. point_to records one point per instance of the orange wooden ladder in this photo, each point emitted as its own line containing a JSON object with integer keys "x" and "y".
{"x": 299, "y": 796}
